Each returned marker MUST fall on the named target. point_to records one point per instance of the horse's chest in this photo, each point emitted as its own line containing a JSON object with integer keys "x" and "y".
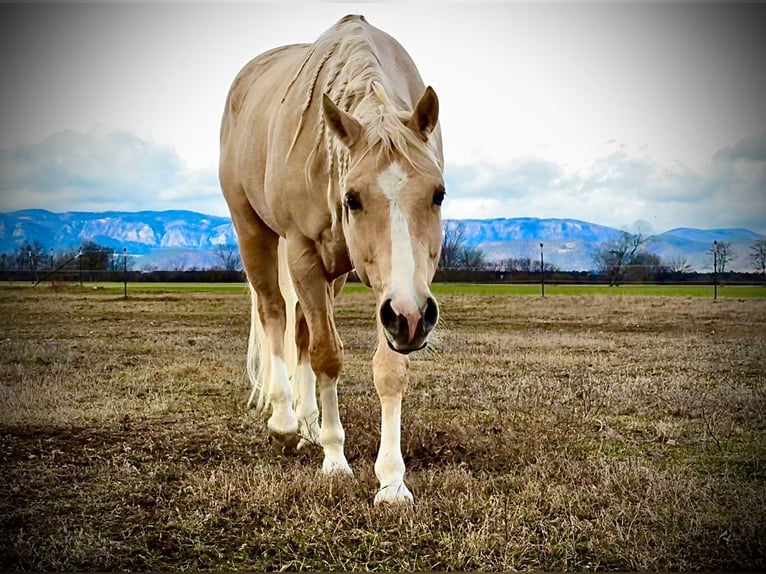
{"x": 334, "y": 253}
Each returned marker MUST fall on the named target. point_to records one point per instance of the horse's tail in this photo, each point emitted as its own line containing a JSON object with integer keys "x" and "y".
{"x": 258, "y": 347}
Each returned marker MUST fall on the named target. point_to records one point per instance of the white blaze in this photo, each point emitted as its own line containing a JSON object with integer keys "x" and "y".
{"x": 391, "y": 182}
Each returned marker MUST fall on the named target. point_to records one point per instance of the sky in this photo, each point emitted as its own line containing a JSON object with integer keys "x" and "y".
{"x": 636, "y": 116}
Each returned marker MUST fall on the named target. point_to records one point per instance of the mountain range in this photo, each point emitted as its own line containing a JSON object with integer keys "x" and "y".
{"x": 186, "y": 239}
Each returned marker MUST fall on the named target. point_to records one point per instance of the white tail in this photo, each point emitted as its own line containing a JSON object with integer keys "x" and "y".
{"x": 258, "y": 348}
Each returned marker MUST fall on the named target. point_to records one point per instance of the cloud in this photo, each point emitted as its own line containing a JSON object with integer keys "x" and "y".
{"x": 109, "y": 169}
{"x": 515, "y": 178}
{"x": 749, "y": 149}
{"x": 619, "y": 189}
{"x": 103, "y": 169}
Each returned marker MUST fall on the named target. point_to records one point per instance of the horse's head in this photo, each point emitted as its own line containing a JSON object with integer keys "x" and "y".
{"x": 391, "y": 214}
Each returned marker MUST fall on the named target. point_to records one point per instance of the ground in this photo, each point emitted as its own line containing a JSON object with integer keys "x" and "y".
{"x": 578, "y": 431}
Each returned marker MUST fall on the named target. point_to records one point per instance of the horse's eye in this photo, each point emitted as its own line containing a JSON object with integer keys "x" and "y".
{"x": 352, "y": 201}
{"x": 439, "y": 195}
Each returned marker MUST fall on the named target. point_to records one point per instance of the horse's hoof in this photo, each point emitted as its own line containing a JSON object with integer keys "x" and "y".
{"x": 396, "y": 494}
{"x": 283, "y": 443}
{"x": 336, "y": 467}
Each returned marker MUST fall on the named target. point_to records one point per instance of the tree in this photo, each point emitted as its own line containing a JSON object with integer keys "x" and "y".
{"x": 28, "y": 255}
{"x": 644, "y": 266}
{"x": 611, "y": 257}
{"x": 549, "y": 267}
{"x": 758, "y": 257}
{"x": 678, "y": 265}
{"x": 63, "y": 257}
{"x": 471, "y": 258}
{"x": 719, "y": 254}
{"x": 228, "y": 255}
{"x": 95, "y": 257}
{"x": 452, "y": 244}
{"x": 514, "y": 265}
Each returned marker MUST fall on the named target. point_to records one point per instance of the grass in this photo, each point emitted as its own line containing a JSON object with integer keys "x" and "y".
{"x": 738, "y": 291}
{"x": 596, "y": 431}
{"x": 502, "y": 289}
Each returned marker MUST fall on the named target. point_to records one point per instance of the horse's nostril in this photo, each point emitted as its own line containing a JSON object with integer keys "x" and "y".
{"x": 430, "y": 315}
{"x": 388, "y": 317}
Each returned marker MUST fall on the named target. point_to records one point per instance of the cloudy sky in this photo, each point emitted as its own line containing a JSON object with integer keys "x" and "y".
{"x": 610, "y": 113}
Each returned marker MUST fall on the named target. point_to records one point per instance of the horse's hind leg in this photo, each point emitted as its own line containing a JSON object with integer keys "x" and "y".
{"x": 304, "y": 384}
{"x": 258, "y": 249}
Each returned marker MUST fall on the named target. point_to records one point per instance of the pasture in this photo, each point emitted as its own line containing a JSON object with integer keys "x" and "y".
{"x": 582, "y": 431}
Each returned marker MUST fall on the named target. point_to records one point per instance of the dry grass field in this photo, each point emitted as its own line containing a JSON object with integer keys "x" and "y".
{"x": 581, "y": 432}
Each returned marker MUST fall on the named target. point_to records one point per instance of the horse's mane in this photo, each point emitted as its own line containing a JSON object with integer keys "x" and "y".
{"x": 356, "y": 81}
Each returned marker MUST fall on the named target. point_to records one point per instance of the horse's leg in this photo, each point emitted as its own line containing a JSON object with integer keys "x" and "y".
{"x": 304, "y": 384}
{"x": 316, "y": 296}
{"x": 258, "y": 249}
{"x": 389, "y": 371}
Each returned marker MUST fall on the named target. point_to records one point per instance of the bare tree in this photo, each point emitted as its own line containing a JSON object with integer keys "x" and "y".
{"x": 95, "y": 256}
{"x": 228, "y": 255}
{"x": 678, "y": 265}
{"x": 549, "y": 267}
{"x": 175, "y": 263}
{"x": 611, "y": 257}
{"x": 720, "y": 254}
{"x": 452, "y": 244}
{"x": 28, "y": 256}
{"x": 758, "y": 257}
{"x": 515, "y": 264}
{"x": 472, "y": 258}
{"x": 644, "y": 266}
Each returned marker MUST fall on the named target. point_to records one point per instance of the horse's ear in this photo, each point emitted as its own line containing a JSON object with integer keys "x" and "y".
{"x": 345, "y": 126}
{"x": 426, "y": 114}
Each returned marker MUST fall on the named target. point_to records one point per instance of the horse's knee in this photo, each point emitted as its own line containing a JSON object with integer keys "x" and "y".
{"x": 390, "y": 372}
{"x": 327, "y": 358}
{"x": 271, "y": 310}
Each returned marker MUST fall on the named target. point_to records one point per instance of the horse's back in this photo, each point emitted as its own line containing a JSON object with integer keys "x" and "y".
{"x": 252, "y": 102}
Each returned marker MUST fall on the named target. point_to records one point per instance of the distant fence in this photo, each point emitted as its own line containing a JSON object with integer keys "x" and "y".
{"x": 77, "y": 276}
{"x": 72, "y": 274}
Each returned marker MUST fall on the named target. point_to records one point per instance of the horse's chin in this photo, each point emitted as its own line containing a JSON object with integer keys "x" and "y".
{"x": 406, "y": 350}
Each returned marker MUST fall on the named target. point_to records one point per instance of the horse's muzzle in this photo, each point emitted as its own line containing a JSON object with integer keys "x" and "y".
{"x": 408, "y": 332}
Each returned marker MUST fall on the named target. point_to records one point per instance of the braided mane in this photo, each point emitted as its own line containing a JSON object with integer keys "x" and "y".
{"x": 355, "y": 80}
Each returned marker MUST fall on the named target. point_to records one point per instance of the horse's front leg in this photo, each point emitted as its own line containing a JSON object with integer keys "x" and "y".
{"x": 316, "y": 297}
{"x": 390, "y": 373}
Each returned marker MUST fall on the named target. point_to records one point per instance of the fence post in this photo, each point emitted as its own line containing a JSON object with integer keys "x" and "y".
{"x": 542, "y": 272}
{"x": 125, "y": 272}
{"x": 715, "y": 270}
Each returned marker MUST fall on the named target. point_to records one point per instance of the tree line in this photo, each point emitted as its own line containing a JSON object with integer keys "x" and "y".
{"x": 619, "y": 260}
{"x": 92, "y": 256}
{"x": 624, "y": 259}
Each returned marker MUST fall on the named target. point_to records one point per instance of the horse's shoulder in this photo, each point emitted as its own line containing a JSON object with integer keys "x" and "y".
{"x": 256, "y": 67}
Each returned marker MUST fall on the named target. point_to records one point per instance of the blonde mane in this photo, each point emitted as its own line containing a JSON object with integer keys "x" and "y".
{"x": 355, "y": 80}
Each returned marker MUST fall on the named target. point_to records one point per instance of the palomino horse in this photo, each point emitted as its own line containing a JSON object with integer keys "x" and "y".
{"x": 331, "y": 160}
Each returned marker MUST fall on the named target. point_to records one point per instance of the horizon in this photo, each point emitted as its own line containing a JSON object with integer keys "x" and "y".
{"x": 182, "y": 238}
{"x": 479, "y": 219}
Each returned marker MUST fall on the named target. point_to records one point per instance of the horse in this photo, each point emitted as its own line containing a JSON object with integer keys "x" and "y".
{"x": 331, "y": 161}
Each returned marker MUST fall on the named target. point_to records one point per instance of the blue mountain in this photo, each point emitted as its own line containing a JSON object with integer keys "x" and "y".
{"x": 143, "y": 233}
{"x": 184, "y": 239}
